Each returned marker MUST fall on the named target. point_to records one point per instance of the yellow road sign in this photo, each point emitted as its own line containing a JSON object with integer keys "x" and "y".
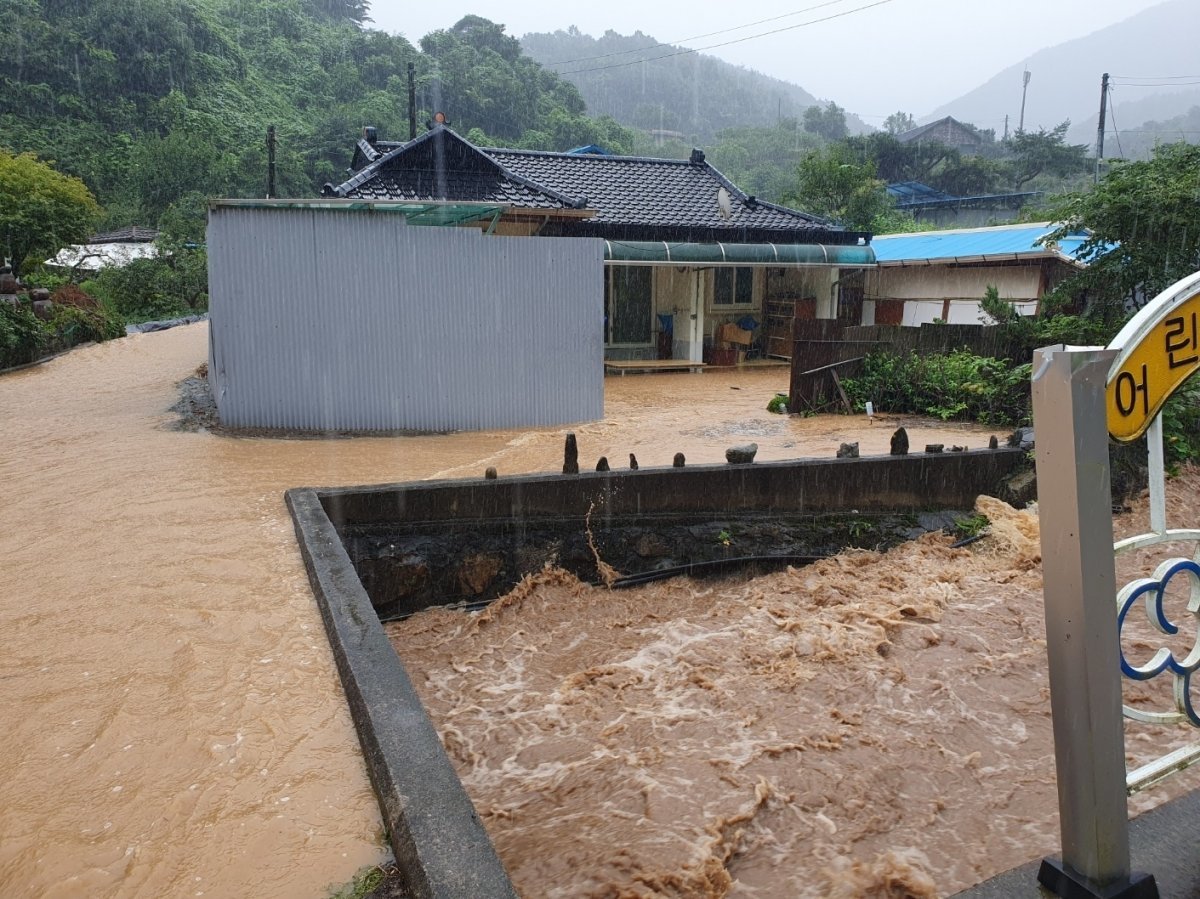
{"x": 1158, "y": 350}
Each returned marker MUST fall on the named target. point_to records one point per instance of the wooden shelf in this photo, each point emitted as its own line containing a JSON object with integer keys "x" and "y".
{"x": 778, "y": 334}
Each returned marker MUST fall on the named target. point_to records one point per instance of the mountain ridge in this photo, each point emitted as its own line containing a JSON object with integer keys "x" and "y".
{"x": 1065, "y": 79}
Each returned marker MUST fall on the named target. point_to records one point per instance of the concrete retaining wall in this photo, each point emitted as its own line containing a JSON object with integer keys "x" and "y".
{"x": 436, "y": 835}
{"x": 808, "y": 487}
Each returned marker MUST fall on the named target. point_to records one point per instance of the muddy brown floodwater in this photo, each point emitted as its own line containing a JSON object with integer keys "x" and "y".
{"x": 172, "y": 721}
{"x": 874, "y": 725}
{"x": 173, "y": 724}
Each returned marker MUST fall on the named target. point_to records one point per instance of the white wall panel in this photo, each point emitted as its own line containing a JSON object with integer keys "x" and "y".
{"x": 327, "y": 319}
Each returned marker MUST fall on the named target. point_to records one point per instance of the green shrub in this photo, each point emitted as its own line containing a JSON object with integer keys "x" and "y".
{"x": 1181, "y": 425}
{"x": 957, "y": 385}
{"x": 73, "y": 325}
{"x": 23, "y": 336}
{"x": 150, "y": 289}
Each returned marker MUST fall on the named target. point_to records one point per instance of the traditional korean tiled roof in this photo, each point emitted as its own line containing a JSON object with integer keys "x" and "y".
{"x": 947, "y": 130}
{"x": 132, "y": 234}
{"x": 629, "y": 197}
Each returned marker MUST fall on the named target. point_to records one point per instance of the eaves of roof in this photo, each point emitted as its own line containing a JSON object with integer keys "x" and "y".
{"x": 1002, "y": 244}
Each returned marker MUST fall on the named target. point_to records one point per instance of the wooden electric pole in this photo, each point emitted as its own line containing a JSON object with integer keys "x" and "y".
{"x": 412, "y": 101}
{"x": 1024, "y": 90}
{"x": 270, "y": 162}
{"x": 1100, "y": 127}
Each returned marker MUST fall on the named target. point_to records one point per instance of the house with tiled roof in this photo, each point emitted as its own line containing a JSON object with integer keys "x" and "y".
{"x": 110, "y": 249}
{"x": 947, "y": 131}
{"x": 686, "y": 251}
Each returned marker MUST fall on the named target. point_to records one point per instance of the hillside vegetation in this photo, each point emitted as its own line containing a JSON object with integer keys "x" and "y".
{"x": 653, "y": 86}
{"x": 156, "y": 104}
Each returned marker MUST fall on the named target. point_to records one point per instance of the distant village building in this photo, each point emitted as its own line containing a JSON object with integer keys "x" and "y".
{"x": 949, "y": 132}
{"x": 112, "y": 248}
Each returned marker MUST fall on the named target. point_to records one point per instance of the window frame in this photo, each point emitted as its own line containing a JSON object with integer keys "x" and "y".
{"x": 714, "y": 305}
{"x": 610, "y": 289}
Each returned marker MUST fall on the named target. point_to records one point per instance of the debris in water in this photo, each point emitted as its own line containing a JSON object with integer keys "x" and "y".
{"x": 934, "y": 447}
{"x": 570, "y": 455}
{"x": 848, "y": 451}
{"x": 741, "y": 455}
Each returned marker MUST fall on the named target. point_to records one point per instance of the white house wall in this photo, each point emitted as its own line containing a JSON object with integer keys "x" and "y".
{"x": 940, "y": 282}
{"x": 951, "y": 294}
{"x": 352, "y": 320}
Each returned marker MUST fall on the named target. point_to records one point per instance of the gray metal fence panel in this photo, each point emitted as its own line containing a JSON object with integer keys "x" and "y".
{"x": 328, "y": 319}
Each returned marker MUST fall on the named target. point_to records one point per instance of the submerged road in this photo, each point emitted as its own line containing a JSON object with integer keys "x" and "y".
{"x": 173, "y": 723}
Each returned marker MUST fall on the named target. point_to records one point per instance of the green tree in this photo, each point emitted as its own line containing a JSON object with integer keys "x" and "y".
{"x": 834, "y": 184}
{"x": 348, "y": 10}
{"x": 1045, "y": 152}
{"x": 41, "y": 210}
{"x": 1144, "y": 224}
{"x": 899, "y": 122}
{"x": 829, "y": 121}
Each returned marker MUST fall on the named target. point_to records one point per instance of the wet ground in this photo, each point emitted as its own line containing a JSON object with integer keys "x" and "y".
{"x": 173, "y": 724}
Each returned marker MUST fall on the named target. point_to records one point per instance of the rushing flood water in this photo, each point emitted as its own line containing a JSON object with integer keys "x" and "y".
{"x": 872, "y": 725}
{"x": 173, "y": 723}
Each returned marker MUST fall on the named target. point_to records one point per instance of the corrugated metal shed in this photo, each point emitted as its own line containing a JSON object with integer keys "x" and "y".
{"x": 999, "y": 244}
{"x": 328, "y": 319}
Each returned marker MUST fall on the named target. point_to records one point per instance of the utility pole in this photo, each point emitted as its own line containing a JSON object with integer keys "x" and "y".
{"x": 1100, "y": 127}
{"x": 270, "y": 162}
{"x": 1024, "y": 89}
{"x": 1006, "y": 127}
{"x": 412, "y": 102}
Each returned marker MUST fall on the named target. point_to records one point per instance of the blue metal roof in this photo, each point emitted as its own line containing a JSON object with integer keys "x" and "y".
{"x": 915, "y": 195}
{"x": 915, "y": 191}
{"x": 1004, "y": 243}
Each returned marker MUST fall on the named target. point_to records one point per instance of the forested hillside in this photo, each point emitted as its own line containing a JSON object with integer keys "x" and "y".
{"x": 654, "y": 86}
{"x": 159, "y": 103}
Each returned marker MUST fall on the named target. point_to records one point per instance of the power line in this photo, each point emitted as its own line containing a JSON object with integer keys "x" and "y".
{"x": 618, "y": 65}
{"x": 1155, "y": 77}
{"x": 694, "y": 37}
{"x": 1153, "y": 131}
{"x": 1112, "y": 110}
{"x": 1172, "y": 83}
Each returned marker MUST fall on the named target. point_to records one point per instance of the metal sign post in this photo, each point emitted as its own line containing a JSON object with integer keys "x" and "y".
{"x": 1075, "y": 509}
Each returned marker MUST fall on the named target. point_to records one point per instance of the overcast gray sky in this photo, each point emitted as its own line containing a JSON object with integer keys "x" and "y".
{"x": 909, "y": 55}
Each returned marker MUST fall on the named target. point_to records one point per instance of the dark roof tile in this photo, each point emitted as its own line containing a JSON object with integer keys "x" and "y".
{"x": 622, "y": 191}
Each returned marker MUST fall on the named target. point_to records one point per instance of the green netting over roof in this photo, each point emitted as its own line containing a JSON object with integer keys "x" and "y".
{"x": 417, "y": 213}
{"x": 640, "y": 252}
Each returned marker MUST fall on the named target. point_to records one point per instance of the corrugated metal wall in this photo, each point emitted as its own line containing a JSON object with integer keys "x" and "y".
{"x": 352, "y": 320}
